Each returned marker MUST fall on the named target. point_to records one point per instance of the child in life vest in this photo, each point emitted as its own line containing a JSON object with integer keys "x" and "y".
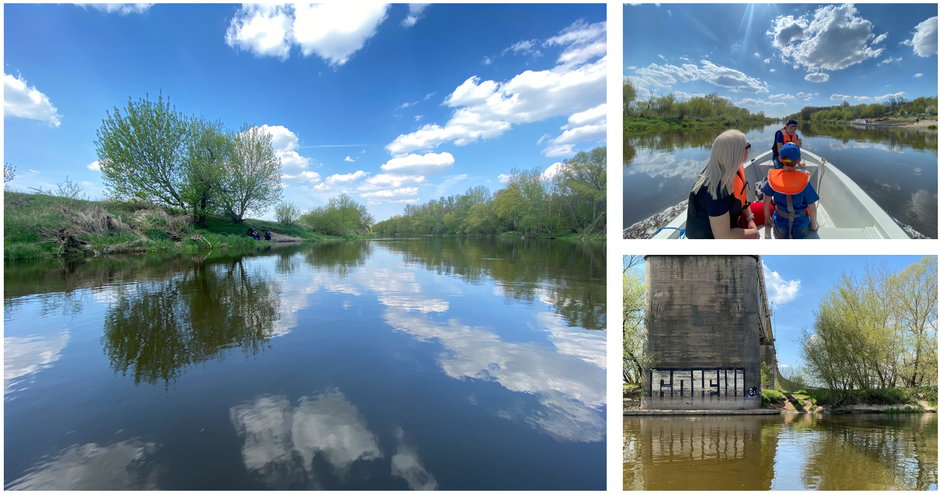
{"x": 792, "y": 195}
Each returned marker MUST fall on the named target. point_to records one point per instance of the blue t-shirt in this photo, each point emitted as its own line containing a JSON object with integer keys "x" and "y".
{"x": 800, "y": 202}
{"x": 707, "y": 206}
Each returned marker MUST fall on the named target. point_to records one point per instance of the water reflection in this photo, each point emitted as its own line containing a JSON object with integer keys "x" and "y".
{"x": 26, "y": 355}
{"x": 321, "y": 439}
{"x": 791, "y": 452}
{"x": 568, "y": 388}
{"x": 154, "y": 330}
{"x": 572, "y": 275}
{"x": 119, "y": 466}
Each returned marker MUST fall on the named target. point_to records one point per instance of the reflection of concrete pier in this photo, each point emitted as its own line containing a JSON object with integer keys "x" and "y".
{"x": 719, "y": 453}
{"x": 708, "y": 332}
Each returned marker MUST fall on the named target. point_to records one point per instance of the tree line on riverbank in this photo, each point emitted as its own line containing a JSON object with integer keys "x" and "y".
{"x": 664, "y": 113}
{"x": 573, "y": 200}
{"x": 894, "y": 106}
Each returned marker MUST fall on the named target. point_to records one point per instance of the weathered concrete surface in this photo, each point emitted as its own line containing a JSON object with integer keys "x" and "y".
{"x": 751, "y": 411}
{"x": 705, "y": 318}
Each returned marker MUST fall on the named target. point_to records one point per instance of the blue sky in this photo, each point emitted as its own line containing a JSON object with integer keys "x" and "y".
{"x": 393, "y": 104}
{"x": 778, "y": 58}
{"x": 797, "y": 284}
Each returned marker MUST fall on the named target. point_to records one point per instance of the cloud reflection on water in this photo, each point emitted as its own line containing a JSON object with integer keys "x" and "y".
{"x": 120, "y": 466}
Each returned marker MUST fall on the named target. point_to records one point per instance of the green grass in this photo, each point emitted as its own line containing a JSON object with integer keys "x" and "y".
{"x": 25, "y": 215}
{"x": 771, "y": 396}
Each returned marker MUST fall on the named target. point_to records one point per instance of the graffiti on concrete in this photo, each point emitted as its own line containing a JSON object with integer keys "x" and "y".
{"x": 697, "y": 383}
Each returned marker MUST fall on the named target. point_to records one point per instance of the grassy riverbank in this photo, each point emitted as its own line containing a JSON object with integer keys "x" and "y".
{"x": 818, "y": 400}
{"x": 44, "y": 226}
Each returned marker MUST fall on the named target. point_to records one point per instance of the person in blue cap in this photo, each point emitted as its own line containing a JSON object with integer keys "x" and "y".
{"x": 792, "y": 195}
{"x": 783, "y": 136}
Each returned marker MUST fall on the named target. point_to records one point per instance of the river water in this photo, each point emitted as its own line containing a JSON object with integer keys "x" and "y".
{"x": 449, "y": 364}
{"x": 781, "y": 452}
{"x": 897, "y": 167}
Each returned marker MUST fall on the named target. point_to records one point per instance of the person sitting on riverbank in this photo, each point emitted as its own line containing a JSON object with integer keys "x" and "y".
{"x": 792, "y": 196}
{"x": 783, "y": 136}
{"x": 718, "y": 199}
{"x": 267, "y": 235}
{"x": 253, "y": 233}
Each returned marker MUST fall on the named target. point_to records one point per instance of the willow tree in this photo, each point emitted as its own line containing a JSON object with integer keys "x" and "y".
{"x": 210, "y": 147}
{"x": 251, "y": 179}
{"x": 142, "y": 151}
{"x": 635, "y": 358}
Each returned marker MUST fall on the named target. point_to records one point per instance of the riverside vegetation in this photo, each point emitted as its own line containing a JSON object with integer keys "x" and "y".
{"x": 660, "y": 114}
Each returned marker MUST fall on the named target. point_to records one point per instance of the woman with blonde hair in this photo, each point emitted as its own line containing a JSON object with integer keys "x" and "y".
{"x": 718, "y": 200}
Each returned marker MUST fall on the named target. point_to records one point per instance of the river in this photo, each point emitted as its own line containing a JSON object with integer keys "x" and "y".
{"x": 897, "y": 167}
{"x": 384, "y": 364}
{"x": 781, "y": 452}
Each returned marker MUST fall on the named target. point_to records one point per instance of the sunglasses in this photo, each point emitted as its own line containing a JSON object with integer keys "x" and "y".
{"x": 747, "y": 146}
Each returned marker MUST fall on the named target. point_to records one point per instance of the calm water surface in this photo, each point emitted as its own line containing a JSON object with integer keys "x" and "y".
{"x": 789, "y": 452}
{"x": 897, "y": 167}
{"x": 449, "y": 364}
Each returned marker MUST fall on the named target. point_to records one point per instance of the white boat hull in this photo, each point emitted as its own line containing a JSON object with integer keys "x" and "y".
{"x": 844, "y": 209}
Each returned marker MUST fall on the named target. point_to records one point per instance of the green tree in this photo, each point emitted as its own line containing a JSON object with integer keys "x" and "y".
{"x": 210, "y": 148}
{"x": 635, "y": 359}
{"x": 582, "y": 182}
{"x": 286, "y": 213}
{"x": 142, "y": 151}
{"x": 342, "y": 216}
{"x": 251, "y": 180}
{"x": 9, "y": 173}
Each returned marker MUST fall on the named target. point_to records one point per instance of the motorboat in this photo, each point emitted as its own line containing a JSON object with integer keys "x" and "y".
{"x": 844, "y": 209}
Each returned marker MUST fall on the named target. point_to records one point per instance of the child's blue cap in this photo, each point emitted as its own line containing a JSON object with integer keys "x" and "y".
{"x": 789, "y": 154}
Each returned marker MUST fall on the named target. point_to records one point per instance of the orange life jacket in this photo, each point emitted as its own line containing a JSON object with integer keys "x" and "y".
{"x": 740, "y": 193}
{"x": 787, "y": 181}
{"x": 787, "y": 137}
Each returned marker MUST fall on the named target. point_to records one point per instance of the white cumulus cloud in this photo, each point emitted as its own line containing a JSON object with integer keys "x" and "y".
{"x": 332, "y": 31}
{"x": 817, "y": 77}
{"x": 25, "y": 101}
{"x": 120, "y": 8}
{"x": 656, "y": 75}
{"x": 94, "y": 166}
{"x": 779, "y": 290}
{"x": 285, "y": 144}
{"x": 833, "y": 37}
{"x": 414, "y": 14}
{"x": 924, "y": 41}
{"x": 418, "y": 164}
{"x": 485, "y": 109}
{"x": 346, "y": 177}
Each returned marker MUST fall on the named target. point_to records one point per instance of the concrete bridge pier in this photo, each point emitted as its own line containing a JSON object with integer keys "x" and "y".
{"x": 708, "y": 330}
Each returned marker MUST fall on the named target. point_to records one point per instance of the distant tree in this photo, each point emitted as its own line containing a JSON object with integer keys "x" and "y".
{"x": 9, "y": 173}
{"x": 629, "y": 95}
{"x": 286, "y": 213}
{"x": 142, "y": 151}
{"x": 251, "y": 180}
{"x": 210, "y": 147}
{"x": 582, "y": 182}
{"x": 68, "y": 189}
{"x": 342, "y": 216}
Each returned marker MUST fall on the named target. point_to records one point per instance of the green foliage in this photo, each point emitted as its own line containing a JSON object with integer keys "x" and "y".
{"x": 877, "y": 331}
{"x": 286, "y": 213}
{"x": 209, "y": 149}
{"x": 665, "y": 113}
{"x": 251, "y": 180}
{"x": 635, "y": 357}
{"x": 572, "y": 201}
{"x": 9, "y": 173}
{"x": 142, "y": 151}
{"x": 894, "y": 106}
{"x": 341, "y": 217}
{"x": 771, "y": 396}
